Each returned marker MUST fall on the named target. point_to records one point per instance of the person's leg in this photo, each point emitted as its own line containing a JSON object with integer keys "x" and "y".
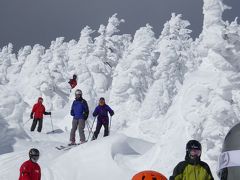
{"x": 73, "y": 130}
{"x": 34, "y": 123}
{"x": 98, "y": 128}
{"x": 106, "y": 129}
{"x": 40, "y": 122}
{"x": 81, "y": 127}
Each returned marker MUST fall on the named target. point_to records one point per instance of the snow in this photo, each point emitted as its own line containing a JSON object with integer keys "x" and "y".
{"x": 164, "y": 91}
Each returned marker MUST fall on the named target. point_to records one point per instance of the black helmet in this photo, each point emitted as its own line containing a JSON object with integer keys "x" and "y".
{"x": 193, "y": 144}
{"x": 78, "y": 92}
{"x": 34, "y": 154}
{"x": 229, "y": 161}
{"x": 74, "y": 76}
{"x": 193, "y": 157}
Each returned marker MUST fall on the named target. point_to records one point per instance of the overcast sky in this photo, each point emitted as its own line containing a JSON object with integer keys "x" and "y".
{"x": 27, "y": 22}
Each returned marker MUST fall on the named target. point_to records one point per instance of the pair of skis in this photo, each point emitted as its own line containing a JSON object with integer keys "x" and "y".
{"x": 68, "y": 147}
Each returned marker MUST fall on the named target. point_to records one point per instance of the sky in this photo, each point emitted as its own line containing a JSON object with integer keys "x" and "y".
{"x": 29, "y": 22}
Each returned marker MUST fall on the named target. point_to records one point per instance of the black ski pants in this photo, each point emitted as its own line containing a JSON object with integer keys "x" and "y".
{"x": 34, "y": 124}
{"x": 99, "y": 126}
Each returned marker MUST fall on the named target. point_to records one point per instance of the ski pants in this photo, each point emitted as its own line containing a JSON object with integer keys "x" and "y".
{"x": 34, "y": 124}
{"x": 80, "y": 124}
{"x": 101, "y": 123}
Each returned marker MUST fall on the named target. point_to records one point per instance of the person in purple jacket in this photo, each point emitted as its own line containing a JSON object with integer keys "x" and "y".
{"x": 101, "y": 111}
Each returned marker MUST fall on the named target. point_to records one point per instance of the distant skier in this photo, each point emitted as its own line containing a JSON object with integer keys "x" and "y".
{"x": 149, "y": 175}
{"x": 30, "y": 170}
{"x": 73, "y": 81}
{"x": 37, "y": 115}
{"x": 102, "y": 111}
{"x": 80, "y": 112}
{"x": 192, "y": 168}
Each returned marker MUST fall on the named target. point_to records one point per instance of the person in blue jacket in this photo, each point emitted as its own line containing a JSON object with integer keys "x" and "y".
{"x": 80, "y": 112}
{"x": 101, "y": 111}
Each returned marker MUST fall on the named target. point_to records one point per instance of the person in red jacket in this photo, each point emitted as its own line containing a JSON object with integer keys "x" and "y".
{"x": 37, "y": 115}
{"x": 30, "y": 170}
{"x": 73, "y": 81}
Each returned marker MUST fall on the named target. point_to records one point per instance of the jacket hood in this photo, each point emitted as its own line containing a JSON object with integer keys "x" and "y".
{"x": 40, "y": 98}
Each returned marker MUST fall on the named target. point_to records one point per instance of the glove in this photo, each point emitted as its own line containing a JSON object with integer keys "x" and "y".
{"x": 49, "y": 113}
{"x": 31, "y": 116}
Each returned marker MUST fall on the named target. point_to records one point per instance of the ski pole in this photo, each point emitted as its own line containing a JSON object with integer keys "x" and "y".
{"x": 110, "y": 125}
{"x": 51, "y": 123}
{"x": 88, "y": 126}
{"x": 91, "y": 129}
{"x": 26, "y": 122}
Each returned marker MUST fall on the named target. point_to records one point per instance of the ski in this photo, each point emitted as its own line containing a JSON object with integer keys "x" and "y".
{"x": 64, "y": 148}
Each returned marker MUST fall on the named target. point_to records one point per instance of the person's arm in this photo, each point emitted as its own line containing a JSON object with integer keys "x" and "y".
{"x": 46, "y": 113}
{"x": 33, "y": 111}
{"x": 111, "y": 112}
{"x": 72, "y": 111}
{"x": 86, "y": 110}
{"x": 178, "y": 171}
{"x": 95, "y": 112}
{"x": 206, "y": 167}
{"x": 24, "y": 173}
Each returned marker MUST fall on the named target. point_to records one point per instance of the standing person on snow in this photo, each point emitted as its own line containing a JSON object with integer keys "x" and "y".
{"x": 73, "y": 81}
{"x": 192, "y": 168}
{"x": 102, "y": 112}
{"x": 30, "y": 170}
{"x": 37, "y": 115}
{"x": 80, "y": 112}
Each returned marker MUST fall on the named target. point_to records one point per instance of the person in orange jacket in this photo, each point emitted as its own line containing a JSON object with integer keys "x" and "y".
{"x": 37, "y": 115}
{"x": 30, "y": 170}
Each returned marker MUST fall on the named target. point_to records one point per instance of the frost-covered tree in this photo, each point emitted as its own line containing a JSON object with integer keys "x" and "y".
{"x": 106, "y": 53}
{"x": 78, "y": 52}
{"x": 27, "y": 79}
{"x": 7, "y": 58}
{"x": 175, "y": 56}
{"x": 133, "y": 74}
{"x": 213, "y": 24}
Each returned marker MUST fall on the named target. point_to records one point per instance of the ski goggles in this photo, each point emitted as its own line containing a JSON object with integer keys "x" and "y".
{"x": 195, "y": 152}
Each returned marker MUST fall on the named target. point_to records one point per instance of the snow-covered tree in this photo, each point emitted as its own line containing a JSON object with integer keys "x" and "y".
{"x": 133, "y": 74}
{"x": 7, "y": 58}
{"x": 78, "y": 52}
{"x": 105, "y": 56}
{"x": 175, "y": 56}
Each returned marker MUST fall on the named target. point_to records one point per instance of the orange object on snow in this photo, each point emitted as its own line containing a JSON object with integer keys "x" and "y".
{"x": 149, "y": 175}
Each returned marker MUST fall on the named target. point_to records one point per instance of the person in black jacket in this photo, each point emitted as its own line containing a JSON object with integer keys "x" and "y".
{"x": 192, "y": 168}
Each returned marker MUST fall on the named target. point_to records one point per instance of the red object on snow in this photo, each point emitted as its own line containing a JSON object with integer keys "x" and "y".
{"x": 72, "y": 83}
{"x": 30, "y": 171}
{"x": 38, "y": 109}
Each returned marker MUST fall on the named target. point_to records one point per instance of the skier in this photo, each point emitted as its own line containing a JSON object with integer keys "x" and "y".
{"x": 73, "y": 81}
{"x": 37, "y": 115}
{"x": 102, "y": 112}
{"x": 30, "y": 170}
{"x": 80, "y": 112}
{"x": 192, "y": 168}
{"x": 149, "y": 175}
{"x": 229, "y": 161}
